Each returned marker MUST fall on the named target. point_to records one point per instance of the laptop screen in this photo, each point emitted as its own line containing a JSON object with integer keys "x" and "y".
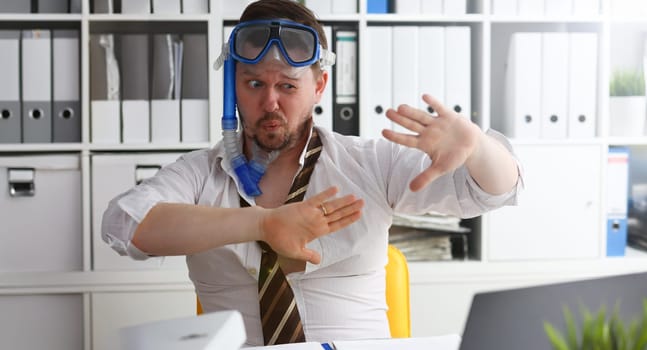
{"x": 514, "y": 319}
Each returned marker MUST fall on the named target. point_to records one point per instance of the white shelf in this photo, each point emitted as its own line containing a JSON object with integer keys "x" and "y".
{"x": 488, "y": 34}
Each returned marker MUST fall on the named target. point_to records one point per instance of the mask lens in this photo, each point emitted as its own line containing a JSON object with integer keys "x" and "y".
{"x": 299, "y": 44}
{"x": 250, "y": 41}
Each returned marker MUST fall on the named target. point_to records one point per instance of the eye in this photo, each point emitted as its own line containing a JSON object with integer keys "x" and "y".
{"x": 254, "y": 84}
{"x": 288, "y": 86}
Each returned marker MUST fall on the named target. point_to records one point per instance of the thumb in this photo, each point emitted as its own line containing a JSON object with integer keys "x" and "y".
{"x": 310, "y": 256}
{"x": 426, "y": 177}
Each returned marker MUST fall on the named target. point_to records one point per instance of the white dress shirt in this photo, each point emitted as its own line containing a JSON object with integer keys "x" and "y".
{"x": 343, "y": 297}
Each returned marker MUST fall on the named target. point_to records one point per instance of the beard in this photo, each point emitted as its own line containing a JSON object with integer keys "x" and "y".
{"x": 281, "y": 138}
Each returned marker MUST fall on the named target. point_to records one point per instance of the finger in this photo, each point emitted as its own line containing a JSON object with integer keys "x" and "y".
{"x": 400, "y": 138}
{"x": 345, "y": 221}
{"x": 405, "y": 119}
{"x": 321, "y": 197}
{"x": 337, "y": 203}
{"x": 425, "y": 178}
{"x": 435, "y": 104}
{"x": 346, "y": 210}
{"x": 417, "y": 114}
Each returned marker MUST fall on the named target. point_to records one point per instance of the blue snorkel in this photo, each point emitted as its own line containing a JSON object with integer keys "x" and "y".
{"x": 249, "y": 173}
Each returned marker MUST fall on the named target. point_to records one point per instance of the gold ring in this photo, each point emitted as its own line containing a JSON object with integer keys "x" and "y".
{"x": 323, "y": 209}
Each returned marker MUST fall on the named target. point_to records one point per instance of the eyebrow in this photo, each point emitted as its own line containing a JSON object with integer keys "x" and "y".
{"x": 249, "y": 72}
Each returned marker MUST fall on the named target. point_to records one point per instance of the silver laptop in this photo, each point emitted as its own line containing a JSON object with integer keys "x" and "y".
{"x": 514, "y": 319}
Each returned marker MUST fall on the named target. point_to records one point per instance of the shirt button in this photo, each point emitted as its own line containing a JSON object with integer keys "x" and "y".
{"x": 252, "y": 271}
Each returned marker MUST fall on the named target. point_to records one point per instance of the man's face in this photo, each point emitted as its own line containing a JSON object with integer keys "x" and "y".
{"x": 275, "y": 102}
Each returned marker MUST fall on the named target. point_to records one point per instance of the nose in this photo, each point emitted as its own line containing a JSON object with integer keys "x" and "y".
{"x": 270, "y": 100}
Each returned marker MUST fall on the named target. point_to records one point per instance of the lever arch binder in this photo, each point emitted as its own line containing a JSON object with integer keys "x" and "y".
{"x": 66, "y": 116}
{"x": 10, "y": 111}
{"x": 36, "y": 86}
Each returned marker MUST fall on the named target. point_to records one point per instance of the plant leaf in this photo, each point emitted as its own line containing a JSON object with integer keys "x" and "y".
{"x": 556, "y": 338}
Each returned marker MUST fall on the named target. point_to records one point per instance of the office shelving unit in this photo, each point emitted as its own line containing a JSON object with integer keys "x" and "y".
{"x": 101, "y": 300}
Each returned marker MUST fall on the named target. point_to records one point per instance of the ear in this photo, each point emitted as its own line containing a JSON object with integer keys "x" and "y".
{"x": 320, "y": 86}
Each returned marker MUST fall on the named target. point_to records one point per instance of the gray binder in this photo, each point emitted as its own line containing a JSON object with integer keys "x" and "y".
{"x": 15, "y": 6}
{"x": 103, "y": 6}
{"x": 53, "y": 6}
{"x": 66, "y": 114}
{"x": 195, "y": 89}
{"x": 10, "y": 129}
{"x": 135, "y": 66}
{"x": 75, "y": 6}
{"x": 135, "y": 106}
{"x": 36, "y": 86}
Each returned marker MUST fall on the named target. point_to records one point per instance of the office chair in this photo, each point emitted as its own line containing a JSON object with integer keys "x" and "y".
{"x": 397, "y": 294}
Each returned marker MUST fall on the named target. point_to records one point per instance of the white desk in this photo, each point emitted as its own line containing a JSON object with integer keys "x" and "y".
{"x": 446, "y": 342}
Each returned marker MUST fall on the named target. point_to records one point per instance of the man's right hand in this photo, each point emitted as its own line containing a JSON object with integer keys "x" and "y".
{"x": 288, "y": 228}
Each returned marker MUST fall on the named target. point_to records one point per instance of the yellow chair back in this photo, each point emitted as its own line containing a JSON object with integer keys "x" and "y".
{"x": 397, "y": 294}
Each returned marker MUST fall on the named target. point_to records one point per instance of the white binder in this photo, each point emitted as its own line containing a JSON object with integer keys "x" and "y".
{"x": 195, "y": 89}
{"x": 195, "y": 6}
{"x": 135, "y": 104}
{"x": 320, "y": 8}
{"x": 583, "y": 83}
{"x": 166, "y": 7}
{"x": 458, "y": 79}
{"x": 407, "y": 6}
{"x": 586, "y": 7}
{"x": 379, "y": 81}
{"x": 36, "y": 86}
{"x": 523, "y": 86}
{"x": 431, "y": 6}
{"x": 454, "y": 7}
{"x": 405, "y": 69}
{"x": 135, "y": 6}
{"x": 66, "y": 111}
{"x": 530, "y": 7}
{"x": 323, "y": 111}
{"x": 165, "y": 106}
{"x": 344, "y": 6}
{"x": 504, "y": 7}
{"x": 233, "y": 8}
{"x": 431, "y": 68}
{"x": 10, "y": 125}
{"x": 554, "y": 86}
{"x": 558, "y": 7}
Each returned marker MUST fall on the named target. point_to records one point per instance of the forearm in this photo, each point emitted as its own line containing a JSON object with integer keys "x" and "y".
{"x": 182, "y": 229}
{"x": 492, "y": 166}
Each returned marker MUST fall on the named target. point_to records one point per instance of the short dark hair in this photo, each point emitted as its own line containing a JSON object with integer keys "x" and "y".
{"x": 284, "y": 9}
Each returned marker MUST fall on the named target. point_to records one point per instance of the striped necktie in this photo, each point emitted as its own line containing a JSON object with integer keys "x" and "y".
{"x": 279, "y": 313}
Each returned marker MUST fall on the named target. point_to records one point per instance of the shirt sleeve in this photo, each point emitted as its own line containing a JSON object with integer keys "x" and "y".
{"x": 179, "y": 182}
{"x": 455, "y": 193}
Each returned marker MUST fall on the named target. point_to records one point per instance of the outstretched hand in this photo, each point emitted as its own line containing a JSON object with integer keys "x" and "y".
{"x": 288, "y": 228}
{"x": 449, "y": 138}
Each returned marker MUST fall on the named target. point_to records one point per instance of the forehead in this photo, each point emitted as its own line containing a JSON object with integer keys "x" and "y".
{"x": 274, "y": 68}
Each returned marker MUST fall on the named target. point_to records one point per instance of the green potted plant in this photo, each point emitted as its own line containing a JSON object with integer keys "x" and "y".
{"x": 627, "y": 103}
{"x": 600, "y": 331}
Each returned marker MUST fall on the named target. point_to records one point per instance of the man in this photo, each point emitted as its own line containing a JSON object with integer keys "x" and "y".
{"x": 331, "y": 247}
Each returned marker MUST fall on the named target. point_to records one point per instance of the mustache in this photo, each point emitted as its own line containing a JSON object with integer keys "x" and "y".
{"x": 272, "y": 116}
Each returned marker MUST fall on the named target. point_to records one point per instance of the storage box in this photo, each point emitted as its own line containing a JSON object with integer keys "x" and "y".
{"x": 41, "y": 213}
{"x": 52, "y": 322}
{"x": 113, "y": 174}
